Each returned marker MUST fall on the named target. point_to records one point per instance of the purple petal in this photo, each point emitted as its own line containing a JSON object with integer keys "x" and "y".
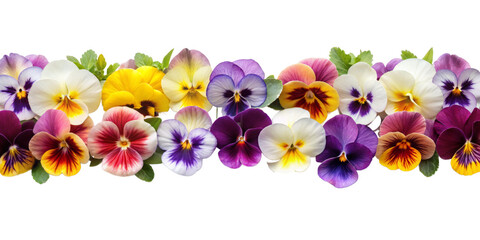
{"x": 430, "y": 130}
{"x": 446, "y": 80}
{"x": 4, "y": 144}
{"x": 367, "y": 137}
{"x": 230, "y": 69}
{"x": 251, "y": 136}
{"x": 38, "y": 60}
{"x": 379, "y": 68}
{"x": 9, "y": 125}
{"x": 28, "y": 76}
{"x": 236, "y": 154}
{"x": 181, "y": 161}
{"x": 453, "y": 63}
{"x": 226, "y": 131}
{"x": 28, "y": 125}
{"x": 359, "y": 155}
{"x": 449, "y": 142}
{"x": 20, "y": 106}
{"x": 220, "y": 90}
{"x": 476, "y": 132}
{"x": 343, "y": 128}
{"x": 250, "y": 66}
{"x": 465, "y": 99}
{"x": 339, "y": 174}
{"x": 324, "y": 69}
{"x": 232, "y": 108}
{"x": 191, "y": 58}
{"x": 333, "y": 149}
{"x": 13, "y": 65}
{"x": 23, "y": 139}
{"x": 357, "y": 108}
{"x": 254, "y": 89}
{"x": 252, "y": 118}
{"x": 203, "y": 142}
{"x": 392, "y": 63}
{"x": 474, "y": 117}
{"x": 128, "y": 64}
{"x": 454, "y": 116}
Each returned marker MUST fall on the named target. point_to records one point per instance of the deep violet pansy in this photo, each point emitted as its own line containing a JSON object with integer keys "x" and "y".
{"x": 237, "y": 138}
{"x": 381, "y": 68}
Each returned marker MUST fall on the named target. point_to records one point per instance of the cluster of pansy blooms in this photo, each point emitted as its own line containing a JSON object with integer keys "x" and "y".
{"x": 427, "y": 110}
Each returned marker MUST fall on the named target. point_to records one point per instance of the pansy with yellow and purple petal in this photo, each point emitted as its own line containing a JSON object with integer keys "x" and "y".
{"x": 463, "y": 91}
{"x": 237, "y": 86}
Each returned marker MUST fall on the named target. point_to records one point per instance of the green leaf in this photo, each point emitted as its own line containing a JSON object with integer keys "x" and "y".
{"x": 39, "y": 174}
{"x": 276, "y": 105}
{"x": 146, "y": 173}
{"x": 429, "y": 56}
{"x": 274, "y": 88}
{"x": 166, "y": 59}
{"x": 101, "y": 64}
{"x": 75, "y": 61}
{"x": 158, "y": 65}
{"x": 112, "y": 68}
{"x": 429, "y": 166}
{"x": 89, "y": 59}
{"x": 143, "y": 60}
{"x": 154, "y": 121}
{"x": 340, "y": 59}
{"x": 270, "y": 77}
{"x": 95, "y": 161}
{"x": 156, "y": 158}
{"x": 364, "y": 56}
{"x": 407, "y": 54}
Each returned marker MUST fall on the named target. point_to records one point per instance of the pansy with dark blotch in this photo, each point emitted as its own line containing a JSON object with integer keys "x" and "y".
{"x": 463, "y": 90}
{"x": 16, "y": 157}
{"x": 451, "y": 62}
{"x": 350, "y": 148}
{"x": 237, "y": 138}
{"x": 381, "y": 68}
{"x": 459, "y": 138}
{"x": 237, "y": 86}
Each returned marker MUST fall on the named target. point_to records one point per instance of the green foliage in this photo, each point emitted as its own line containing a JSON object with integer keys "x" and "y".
{"x": 156, "y": 158}
{"x": 276, "y": 105}
{"x": 94, "y": 161}
{"x": 274, "y": 88}
{"x": 154, "y": 122}
{"x": 94, "y": 64}
{"x": 429, "y": 166}
{"x": 429, "y": 56}
{"x": 145, "y": 60}
{"x": 146, "y": 173}
{"x": 407, "y": 54}
{"x": 344, "y": 61}
{"x": 39, "y": 174}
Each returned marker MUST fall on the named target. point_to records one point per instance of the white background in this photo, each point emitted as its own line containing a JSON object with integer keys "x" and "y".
{"x": 218, "y": 202}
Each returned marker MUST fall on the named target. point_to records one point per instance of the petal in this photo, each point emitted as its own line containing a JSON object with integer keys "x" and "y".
{"x": 76, "y": 110}
{"x": 275, "y": 140}
{"x": 397, "y": 84}
{"x": 250, "y": 66}
{"x": 392, "y": 64}
{"x": 362, "y": 113}
{"x": 404, "y": 122}
{"x": 476, "y": 132}
{"x": 290, "y": 116}
{"x": 251, "y": 136}
{"x": 8, "y": 88}
{"x": 149, "y": 101}
{"x": 23, "y": 139}
{"x": 449, "y": 142}
{"x": 84, "y": 86}
{"x": 236, "y": 154}
{"x": 226, "y": 131}
{"x": 363, "y": 72}
{"x": 220, "y": 89}
{"x": 83, "y": 129}
{"x": 195, "y": 99}
{"x": 9, "y": 125}
{"x": 454, "y": 116}
{"x": 423, "y": 144}
{"x": 343, "y": 128}
{"x": 191, "y": 60}
{"x": 379, "y": 67}
{"x": 66, "y": 160}
{"x": 403, "y": 159}
{"x": 59, "y": 71}
{"x": 200, "y": 80}
{"x": 465, "y": 99}
{"x": 121, "y": 115}
{"x": 42, "y": 142}
{"x": 13, "y": 64}
{"x": 359, "y": 155}
{"x": 297, "y": 72}
{"x": 28, "y": 76}
{"x": 45, "y": 94}
{"x": 293, "y": 160}
{"x": 28, "y": 125}
{"x": 377, "y": 96}
{"x": 253, "y": 89}
{"x": 469, "y": 80}
{"x": 119, "y": 99}
{"x": 324, "y": 69}
{"x": 16, "y": 161}
{"x": 103, "y": 139}
{"x": 54, "y": 122}
{"x": 466, "y": 160}
{"x": 121, "y": 80}
{"x": 194, "y": 117}
{"x": 171, "y": 133}
{"x": 181, "y": 161}
{"x": 309, "y": 137}
{"x": 252, "y": 118}
{"x": 347, "y": 87}
{"x": 367, "y": 137}
{"x": 123, "y": 162}
{"x": 229, "y": 69}
{"x": 142, "y": 137}
{"x": 176, "y": 84}
{"x": 388, "y": 141}
{"x": 152, "y": 76}
{"x": 38, "y": 60}
{"x": 474, "y": 117}
{"x": 446, "y": 80}
{"x": 421, "y": 70}
{"x": 453, "y": 63}
{"x": 130, "y": 63}
{"x": 333, "y": 149}
{"x": 339, "y": 174}
{"x": 429, "y": 98}
{"x": 293, "y": 92}
{"x": 203, "y": 142}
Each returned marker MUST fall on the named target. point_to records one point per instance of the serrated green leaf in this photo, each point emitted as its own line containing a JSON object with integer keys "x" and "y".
{"x": 276, "y": 105}
{"x": 143, "y": 60}
{"x": 274, "y": 88}
{"x": 158, "y": 65}
{"x": 39, "y": 174}
{"x": 146, "y": 173}
{"x": 75, "y": 61}
{"x": 101, "y": 63}
{"x": 429, "y": 56}
{"x": 166, "y": 59}
{"x": 112, "y": 68}
{"x": 154, "y": 122}
{"x": 407, "y": 54}
{"x": 95, "y": 161}
{"x": 88, "y": 59}
{"x": 364, "y": 56}
{"x": 340, "y": 59}
{"x": 156, "y": 158}
{"x": 429, "y": 166}
{"x": 270, "y": 77}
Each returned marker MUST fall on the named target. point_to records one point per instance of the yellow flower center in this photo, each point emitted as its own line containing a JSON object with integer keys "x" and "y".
{"x": 21, "y": 94}
{"x": 457, "y": 91}
{"x": 343, "y": 158}
{"x": 237, "y": 97}
{"x": 468, "y": 149}
{"x": 408, "y": 104}
{"x": 186, "y": 145}
{"x": 63, "y": 144}
{"x": 361, "y": 100}
{"x": 192, "y": 90}
{"x": 241, "y": 139}
{"x": 13, "y": 150}
{"x": 404, "y": 144}
{"x": 123, "y": 143}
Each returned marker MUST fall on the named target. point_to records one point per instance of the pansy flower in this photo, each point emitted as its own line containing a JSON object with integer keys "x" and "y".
{"x": 361, "y": 95}
{"x": 459, "y": 138}
{"x": 15, "y": 156}
{"x": 451, "y": 62}
{"x": 350, "y": 147}
{"x": 64, "y": 87}
{"x": 139, "y": 88}
{"x": 381, "y": 68}
{"x": 463, "y": 91}
{"x": 308, "y": 85}
{"x": 292, "y": 140}
{"x": 402, "y": 143}
{"x": 123, "y": 140}
{"x": 60, "y": 151}
{"x": 37, "y": 60}
{"x": 237, "y": 86}
{"x": 186, "y": 140}
{"x": 186, "y": 81}
{"x": 17, "y": 74}
{"x": 409, "y": 88}
{"x": 237, "y": 138}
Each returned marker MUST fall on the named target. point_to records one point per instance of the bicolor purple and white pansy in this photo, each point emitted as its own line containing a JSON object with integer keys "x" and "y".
{"x": 186, "y": 140}
{"x": 17, "y": 75}
{"x": 463, "y": 91}
{"x": 361, "y": 95}
{"x": 237, "y": 86}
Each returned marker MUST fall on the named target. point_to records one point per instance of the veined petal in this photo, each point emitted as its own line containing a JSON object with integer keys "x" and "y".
{"x": 203, "y": 142}
{"x": 397, "y": 84}
{"x": 290, "y": 116}
{"x": 359, "y": 155}
{"x": 119, "y": 99}
{"x": 466, "y": 160}
{"x": 16, "y": 161}
{"x": 9, "y": 125}
{"x": 8, "y": 88}
{"x": 176, "y": 84}
{"x": 226, "y": 131}
{"x": 181, "y": 161}
{"x": 142, "y": 137}
{"x": 171, "y": 133}
{"x": 333, "y": 149}
{"x": 469, "y": 80}
{"x": 120, "y": 116}
{"x": 367, "y": 137}
{"x": 465, "y": 99}
{"x": 85, "y": 87}
{"x": 275, "y": 140}
{"x": 253, "y": 89}
{"x": 293, "y": 92}
{"x": 446, "y": 80}
{"x": 37, "y": 60}
{"x": 388, "y": 141}
{"x": 252, "y": 118}
{"x": 339, "y": 174}
{"x": 54, "y": 122}
{"x": 404, "y": 122}
{"x": 449, "y": 142}
{"x": 293, "y": 160}
{"x": 75, "y": 109}
{"x": 452, "y": 62}
{"x": 83, "y": 129}
{"x": 103, "y": 139}
{"x": 123, "y": 162}
{"x": 152, "y": 76}
{"x": 421, "y": 70}
{"x": 403, "y": 159}
{"x": 194, "y": 117}
{"x": 236, "y": 154}
{"x": 423, "y": 144}
{"x": 309, "y": 137}
{"x": 190, "y": 60}
{"x": 200, "y": 80}
{"x": 250, "y": 66}
{"x": 42, "y": 142}
{"x": 220, "y": 89}
{"x": 191, "y": 99}
{"x": 66, "y": 160}
{"x": 46, "y": 94}
{"x": 343, "y": 128}
{"x": 121, "y": 80}
{"x": 13, "y": 64}
{"x": 58, "y": 71}
{"x": 324, "y": 69}
{"x": 229, "y": 69}
{"x": 297, "y": 72}
{"x": 429, "y": 99}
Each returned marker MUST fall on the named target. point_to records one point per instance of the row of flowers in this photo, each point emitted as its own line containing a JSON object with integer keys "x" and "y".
{"x": 428, "y": 110}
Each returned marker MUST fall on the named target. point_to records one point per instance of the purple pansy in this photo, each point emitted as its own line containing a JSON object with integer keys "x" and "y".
{"x": 237, "y": 86}
{"x": 350, "y": 147}
{"x": 237, "y": 138}
{"x": 17, "y": 75}
{"x": 463, "y": 90}
{"x": 451, "y": 62}
{"x": 380, "y": 68}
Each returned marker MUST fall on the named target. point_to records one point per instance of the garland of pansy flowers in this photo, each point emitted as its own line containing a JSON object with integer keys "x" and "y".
{"x": 428, "y": 110}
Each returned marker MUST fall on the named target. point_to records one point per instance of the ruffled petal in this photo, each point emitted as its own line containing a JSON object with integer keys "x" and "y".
{"x": 465, "y": 99}
{"x": 449, "y": 142}
{"x": 103, "y": 139}
{"x": 13, "y": 64}
{"x": 16, "y": 161}
{"x": 241, "y": 153}
{"x": 358, "y": 155}
{"x": 84, "y": 86}
{"x": 363, "y": 72}
{"x": 176, "y": 84}
{"x": 404, "y": 122}
{"x": 38, "y": 60}
{"x": 469, "y": 81}
{"x": 230, "y": 69}
{"x": 226, "y": 131}
{"x": 421, "y": 70}
{"x": 54, "y": 122}
{"x": 454, "y": 116}
{"x": 252, "y": 118}
{"x": 290, "y": 116}
{"x": 309, "y": 137}
{"x": 297, "y": 72}
{"x": 122, "y": 162}
{"x": 65, "y": 160}
{"x": 250, "y": 66}
{"x": 339, "y": 174}
{"x": 9, "y": 125}
{"x": 275, "y": 140}
{"x": 149, "y": 101}
{"x": 220, "y": 90}
{"x": 324, "y": 69}
{"x": 120, "y": 116}
{"x": 343, "y": 128}
{"x": 404, "y": 159}
{"x": 142, "y": 137}
{"x": 194, "y": 117}
{"x": 333, "y": 149}
{"x": 253, "y": 89}
{"x": 452, "y": 62}
{"x": 397, "y": 84}
{"x": 75, "y": 109}
{"x": 171, "y": 133}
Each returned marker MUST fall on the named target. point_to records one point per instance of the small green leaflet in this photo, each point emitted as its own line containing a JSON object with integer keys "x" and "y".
{"x": 154, "y": 122}
{"x": 429, "y": 166}
{"x": 143, "y": 60}
{"x": 156, "y": 158}
{"x": 88, "y": 59}
{"x": 112, "y": 68}
{"x": 364, "y": 56}
{"x": 429, "y": 56}
{"x": 39, "y": 174}
{"x": 95, "y": 161}
{"x": 94, "y": 65}
{"x": 75, "y": 61}
{"x": 101, "y": 64}
{"x": 166, "y": 59}
{"x": 276, "y": 105}
{"x": 407, "y": 54}
{"x": 344, "y": 61}
{"x": 274, "y": 88}
{"x": 146, "y": 173}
